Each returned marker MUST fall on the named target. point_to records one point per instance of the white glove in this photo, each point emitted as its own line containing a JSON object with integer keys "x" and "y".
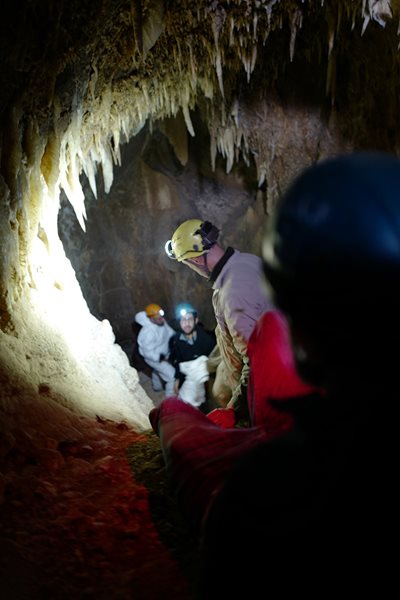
{"x": 192, "y": 390}
{"x": 195, "y": 369}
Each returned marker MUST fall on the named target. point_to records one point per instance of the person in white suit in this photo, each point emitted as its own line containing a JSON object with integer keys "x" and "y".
{"x": 153, "y": 343}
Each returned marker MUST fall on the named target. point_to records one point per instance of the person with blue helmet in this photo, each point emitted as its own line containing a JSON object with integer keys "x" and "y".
{"x": 189, "y": 349}
{"x": 183, "y": 310}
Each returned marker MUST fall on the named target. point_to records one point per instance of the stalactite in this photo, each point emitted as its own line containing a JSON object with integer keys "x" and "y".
{"x": 188, "y": 122}
{"x": 90, "y": 170}
{"x": 231, "y": 28}
{"x": 218, "y": 68}
{"x": 331, "y": 37}
{"x": 255, "y": 21}
{"x": 398, "y": 33}
{"x": 107, "y": 166}
{"x": 217, "y": 23}
{"x": 377, "y": 10}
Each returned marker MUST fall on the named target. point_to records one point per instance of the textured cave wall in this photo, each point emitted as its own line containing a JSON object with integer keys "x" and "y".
{"x": 276, "y": 84}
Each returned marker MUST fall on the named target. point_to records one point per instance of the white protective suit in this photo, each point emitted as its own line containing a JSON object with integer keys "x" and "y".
{"x": 152, "y": 341}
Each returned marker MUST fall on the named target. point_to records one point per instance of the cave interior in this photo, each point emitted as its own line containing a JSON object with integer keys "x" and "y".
{"x": 119, "y": 120}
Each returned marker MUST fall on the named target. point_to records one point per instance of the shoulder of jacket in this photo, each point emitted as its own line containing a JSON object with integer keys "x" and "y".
{"x": 142, "y": 318}
{"x": 248, "y": 257}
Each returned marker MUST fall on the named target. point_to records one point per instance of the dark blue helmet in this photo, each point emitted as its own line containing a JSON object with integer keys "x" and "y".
{"x": 336, "y": 232}
{"x": 332, "y": 256}
{"x": 183, "y": 309}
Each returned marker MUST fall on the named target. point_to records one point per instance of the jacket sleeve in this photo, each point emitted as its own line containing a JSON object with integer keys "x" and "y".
{"x": 147, "y": 348}
{"x": 241, "y": 315}
{"x": 174, "y": 357}
{"x": 206, "y": 339}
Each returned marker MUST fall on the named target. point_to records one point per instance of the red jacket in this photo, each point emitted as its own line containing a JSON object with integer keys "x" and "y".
{"x": 273, "y": 377}
{"x": 199, "y": 450}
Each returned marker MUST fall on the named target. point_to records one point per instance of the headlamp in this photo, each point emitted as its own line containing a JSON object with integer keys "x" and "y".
{"x": 169, "y": 250}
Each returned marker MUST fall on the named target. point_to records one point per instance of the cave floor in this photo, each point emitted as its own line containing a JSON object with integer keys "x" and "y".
{"x": 145, "y": 382}
{"x": 100, "y": 524}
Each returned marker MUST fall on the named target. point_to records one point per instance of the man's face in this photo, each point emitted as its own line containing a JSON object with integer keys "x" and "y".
{"x": 188, "y": 323}
{"x": 198, "y": 264}
{"x": 157, "y": 320}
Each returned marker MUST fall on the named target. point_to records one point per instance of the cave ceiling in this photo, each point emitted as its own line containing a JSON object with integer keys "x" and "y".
{"x": 86, "y": 76}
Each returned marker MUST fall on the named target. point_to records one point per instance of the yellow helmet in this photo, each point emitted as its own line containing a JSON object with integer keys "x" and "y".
{"x": 192, "y": 238}
{"x": 154, "y": 310}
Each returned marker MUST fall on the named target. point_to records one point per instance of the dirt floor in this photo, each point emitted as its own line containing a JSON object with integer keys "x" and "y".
{"x": 147, "y": 464}
{"x": 92, "y": 518}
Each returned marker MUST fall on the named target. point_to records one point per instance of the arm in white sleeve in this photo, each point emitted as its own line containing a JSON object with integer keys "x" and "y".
{"x": 147, "y": 347}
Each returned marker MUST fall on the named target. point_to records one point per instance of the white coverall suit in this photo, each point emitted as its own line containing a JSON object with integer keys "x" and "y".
{"x": 152, "y": 342}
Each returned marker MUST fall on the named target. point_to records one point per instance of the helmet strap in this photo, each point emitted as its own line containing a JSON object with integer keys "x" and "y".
{"x": 207, "y": 270}
{"x": 201, "y": 269}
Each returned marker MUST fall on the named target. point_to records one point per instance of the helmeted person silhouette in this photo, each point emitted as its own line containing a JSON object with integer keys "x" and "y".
{"x": 314, "y": 513}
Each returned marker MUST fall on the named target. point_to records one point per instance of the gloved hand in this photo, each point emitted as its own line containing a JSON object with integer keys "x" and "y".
{"x": 224, "y": 417}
